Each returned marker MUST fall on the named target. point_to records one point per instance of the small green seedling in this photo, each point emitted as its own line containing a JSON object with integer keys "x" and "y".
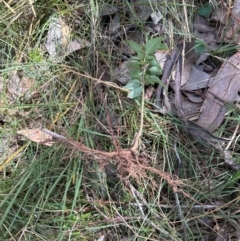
{"x": 35, "y": 55}
{"x": 144, "y": 68}
{"x": 200, "y": 46}
{"x": 205, "y": 10}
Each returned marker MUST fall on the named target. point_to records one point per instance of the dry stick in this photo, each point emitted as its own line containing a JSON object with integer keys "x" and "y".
{"x": 107, "y": 83}
{"x": 229, "y": 11}
{"x": 124, "y": 219}
{"x": 8, "y": 6}
{"x": 180, "y": 212}
{"x": 167, "y": 70}
{"x": 53, "y": 134}
{"x": 171, "y": 61}
{"x": 32, "y": 7}
{"x": 139, "y": 134}
{"x": 233, "y": 137}
{"x": 178, "y": 82}
{"x": 186, "y": 17}
{"x": 136, "y": 194}
{"x": 98, "y": 210}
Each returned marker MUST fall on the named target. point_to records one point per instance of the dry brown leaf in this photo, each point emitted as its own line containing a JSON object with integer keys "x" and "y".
{"x": 220, "y": 14}
{"x": 198, "y": 79}
{"x": 204, "y": 32}
{"x": 59, "y": 42}
{"x": 188, "y": 61}
{"x": 122, "y": 73}
{"x": 161, "y": 56}
{"x": 202, "y": 24}
{"x": 56, "y": 37}
{"x": 19, "y": 86}
{"x": 37, "y": 135}
{"x": 224, "y": 90}
{"x": 178, "y": 97}
{"x": 143, "y": 9}
{"x": 65, "y": 33}
{"x": 194, "y": 97}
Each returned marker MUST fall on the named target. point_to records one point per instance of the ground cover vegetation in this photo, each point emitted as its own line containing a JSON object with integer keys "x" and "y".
{"x": 116, "y": 122}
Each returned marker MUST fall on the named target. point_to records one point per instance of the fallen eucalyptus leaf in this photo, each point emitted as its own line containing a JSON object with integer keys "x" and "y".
{"x": 59, "y": 43}
{"x": 197, "y": 80}
{"x": 122, "y": 73}
{"x": 194, "y": 98}
{"x": 225, "y": 89}
{"x": 19, "y": 86}
{"x": 37, "y": 135}
{"x": 156, "y": 17}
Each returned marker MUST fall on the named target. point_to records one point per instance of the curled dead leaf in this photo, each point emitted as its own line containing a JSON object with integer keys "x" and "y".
{"x": 37, "y": 135}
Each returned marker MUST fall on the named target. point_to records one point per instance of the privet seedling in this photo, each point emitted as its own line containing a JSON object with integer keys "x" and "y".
{"x": 144, "y": 68}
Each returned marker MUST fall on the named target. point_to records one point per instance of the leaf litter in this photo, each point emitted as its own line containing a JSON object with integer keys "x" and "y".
{"x": 192, "y": 78}
{"x": 192, "y": 86}
{"x": 59, "y": 45}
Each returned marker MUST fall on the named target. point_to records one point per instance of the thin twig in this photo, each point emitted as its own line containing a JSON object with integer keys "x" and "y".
{"x": 181, "y": 216}
{"x": 180, "y": 212}
{"x": 8, "y": 6}
{"x": 137, "y": 195}
{"x": 233, "y": 137}
{"x": 139, "y": 134}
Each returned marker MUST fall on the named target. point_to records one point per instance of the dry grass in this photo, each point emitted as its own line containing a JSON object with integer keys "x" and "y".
{"x": 96, "y": 183}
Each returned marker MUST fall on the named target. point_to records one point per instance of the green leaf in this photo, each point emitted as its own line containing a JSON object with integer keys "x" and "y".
{"x": 141, "y": 55}
{"x": 152, "y": 79}
{"x": 134, "y": 59}
{"x": 153, "y": 44}
{"x": 163, "y": 46}
{"x": 155, "y": 71}
{"x": 135, "y": 93}
{"x": 150, "y": 58}
{"x": 205, "y": 10}
{"x": 135, "y": 73}
{"x": 35, "y": 55}
{"x": 135, "y": 46}
{"x": 134, "y": 64}
{"x": 200, "y": 46}
{"x": 154, "y": 63}
{"x": 133, "y": 84}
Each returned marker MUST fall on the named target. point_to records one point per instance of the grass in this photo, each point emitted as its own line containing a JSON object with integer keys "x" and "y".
{"x": 61, "y": 193}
